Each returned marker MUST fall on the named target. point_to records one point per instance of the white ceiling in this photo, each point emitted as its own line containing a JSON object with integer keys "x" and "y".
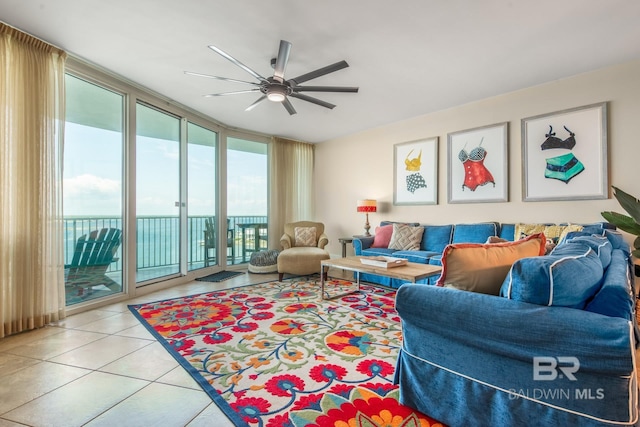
{"x": 409, "y": 57}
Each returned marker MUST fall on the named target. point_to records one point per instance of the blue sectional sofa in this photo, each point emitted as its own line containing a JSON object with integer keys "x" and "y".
{"x": 435, "y": 238}
{"x": 557, "y": 347}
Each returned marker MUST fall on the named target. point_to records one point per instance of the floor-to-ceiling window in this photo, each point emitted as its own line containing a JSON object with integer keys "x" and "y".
{"x": 92, "y": 191}
{"x": 144, "y": 179}
{"x": 247, "y": 194}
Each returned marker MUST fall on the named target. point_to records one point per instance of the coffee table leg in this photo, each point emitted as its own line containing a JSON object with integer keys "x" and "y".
{"x": 340, "y": 295}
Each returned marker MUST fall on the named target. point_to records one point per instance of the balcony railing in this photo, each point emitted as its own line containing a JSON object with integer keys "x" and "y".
{"x": 158, "y": 238}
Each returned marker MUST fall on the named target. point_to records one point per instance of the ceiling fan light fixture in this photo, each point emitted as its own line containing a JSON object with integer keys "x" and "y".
{"x": 276, "y": 93}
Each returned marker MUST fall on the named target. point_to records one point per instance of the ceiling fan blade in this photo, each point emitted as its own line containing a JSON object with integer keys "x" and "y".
{"x": 231, "y": 93}
{"x": 252, "y": 106}
{"x": 313, "y": 100}
{"x": 289, "y": 107}
{"x": 320, "y": 72}
{"x": 325, "y": 89}
{"x": 238, "y": 63}
{"x": 281, "y": 60}
{"x": 219, "y": 78}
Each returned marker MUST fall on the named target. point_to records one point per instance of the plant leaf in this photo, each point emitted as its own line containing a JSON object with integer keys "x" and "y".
{"x": 628, "y": 203}
{"x": 623, "y": 222}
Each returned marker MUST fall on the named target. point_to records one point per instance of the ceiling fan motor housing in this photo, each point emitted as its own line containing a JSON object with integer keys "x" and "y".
{"x": 275, "y": 90}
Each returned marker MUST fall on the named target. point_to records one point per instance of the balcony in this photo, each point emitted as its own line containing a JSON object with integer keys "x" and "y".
{"x": 157, "y": 243}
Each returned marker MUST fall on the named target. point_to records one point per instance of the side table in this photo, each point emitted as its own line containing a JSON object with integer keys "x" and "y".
{"x": 344, "y": 241}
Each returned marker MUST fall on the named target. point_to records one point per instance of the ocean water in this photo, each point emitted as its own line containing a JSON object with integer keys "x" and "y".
{"x": 157, "y": 238}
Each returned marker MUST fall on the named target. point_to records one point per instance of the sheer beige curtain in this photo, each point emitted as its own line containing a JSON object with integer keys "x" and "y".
{"x": 291, "y": 182}
{"x": 31, "y": 127}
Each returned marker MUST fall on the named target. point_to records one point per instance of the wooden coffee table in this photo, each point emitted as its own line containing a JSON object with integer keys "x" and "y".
{"x": 411, "y": 272}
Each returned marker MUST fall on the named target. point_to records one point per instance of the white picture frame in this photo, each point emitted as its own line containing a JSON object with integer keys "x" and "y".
{"x": 484, "y": 179}
{"x": 415, "y": 172}
{"x": 554, "y": 169}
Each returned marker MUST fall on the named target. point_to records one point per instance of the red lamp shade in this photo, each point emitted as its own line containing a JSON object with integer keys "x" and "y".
{"x": 366, "y": 205}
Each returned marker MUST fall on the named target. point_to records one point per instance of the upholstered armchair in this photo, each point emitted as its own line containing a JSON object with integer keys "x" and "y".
{"x": 303, "y": 245}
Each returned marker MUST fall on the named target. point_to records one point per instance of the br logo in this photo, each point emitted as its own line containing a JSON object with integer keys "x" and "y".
{"x": 545, "y": 368}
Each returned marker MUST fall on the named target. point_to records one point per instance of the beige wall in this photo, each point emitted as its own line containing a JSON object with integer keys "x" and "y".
{"x": 361, "y": 165}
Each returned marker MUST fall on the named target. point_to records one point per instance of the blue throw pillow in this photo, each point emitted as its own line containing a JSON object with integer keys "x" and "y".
{"x": 617, "y": 241}
{"x": 600, "y": 245}
{"x": 615, "y": 297}
{"x": 568, "y": 278}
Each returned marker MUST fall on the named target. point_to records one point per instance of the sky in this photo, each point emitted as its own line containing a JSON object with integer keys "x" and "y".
{"x": 93, "y": 170}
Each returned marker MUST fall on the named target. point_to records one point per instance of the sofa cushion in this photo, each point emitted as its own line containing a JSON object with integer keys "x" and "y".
{"x": 436, "y": 237}
{"x": 305, "y": 236}
{"x": 600, "y": 245}
{"x": 617, "y": 241}
{"x": 474, "y": 233}
{"x": 405, "y": 237}
{"x": 597, "y": 227}
{"x": 568, "y": 277}
{"x": 507, "y": 231}
{"x": 615, "y": 297}
{"x": 421, "y": 257}
{"x": 483, "y": 267}
{"x": 378, "y": 252}
{"x": 382, "y": 236}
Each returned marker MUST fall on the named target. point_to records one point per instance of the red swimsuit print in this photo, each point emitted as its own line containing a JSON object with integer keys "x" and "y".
{"x": 475, "y": 173}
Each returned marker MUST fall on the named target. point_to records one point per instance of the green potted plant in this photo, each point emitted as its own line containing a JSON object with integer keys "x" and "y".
{"x": 630, "y": 224}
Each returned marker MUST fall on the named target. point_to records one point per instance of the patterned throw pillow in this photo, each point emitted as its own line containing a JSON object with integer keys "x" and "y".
{"x": 406, "y": 238}
{"x": 305, "y": 236}
{"x": 553, "y": 232}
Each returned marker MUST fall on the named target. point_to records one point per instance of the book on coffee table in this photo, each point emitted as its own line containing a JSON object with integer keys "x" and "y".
{"x": 383, "y": 261}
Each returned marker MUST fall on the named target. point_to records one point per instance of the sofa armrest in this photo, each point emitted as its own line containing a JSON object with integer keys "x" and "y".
{"x": 323, "y": 240}
{"x": 441, "y": 322}
{"x": 285, "y": 241}
{"x": 360, "y": 243}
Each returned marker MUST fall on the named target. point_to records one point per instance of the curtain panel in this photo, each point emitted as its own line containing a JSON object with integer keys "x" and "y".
{"x": 291, "y": 184}
{"x": 31, "y": 131}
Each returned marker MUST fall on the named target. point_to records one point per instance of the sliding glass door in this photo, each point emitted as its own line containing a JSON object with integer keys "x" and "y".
{"x": 158, "y": 202}
{"x": 202, "y": 206}
{"x": 92, "y": 191}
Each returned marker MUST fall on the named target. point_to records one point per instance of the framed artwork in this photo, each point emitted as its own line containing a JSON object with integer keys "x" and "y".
{"x": 478, "y": 164}
{"x": 415, "y": 172}
{"x": 564, "y": 155}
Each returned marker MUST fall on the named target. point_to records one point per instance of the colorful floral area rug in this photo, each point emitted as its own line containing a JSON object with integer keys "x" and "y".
{"x": 276, "y": 355}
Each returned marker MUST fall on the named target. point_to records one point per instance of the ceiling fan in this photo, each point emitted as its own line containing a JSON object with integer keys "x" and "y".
{"x": 277, "y": 88}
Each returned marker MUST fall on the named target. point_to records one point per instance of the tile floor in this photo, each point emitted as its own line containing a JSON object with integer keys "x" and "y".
{"x": 102, "y": 368}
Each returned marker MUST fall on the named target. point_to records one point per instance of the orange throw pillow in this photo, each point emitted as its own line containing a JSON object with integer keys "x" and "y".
{"x": 481, "y": 267}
